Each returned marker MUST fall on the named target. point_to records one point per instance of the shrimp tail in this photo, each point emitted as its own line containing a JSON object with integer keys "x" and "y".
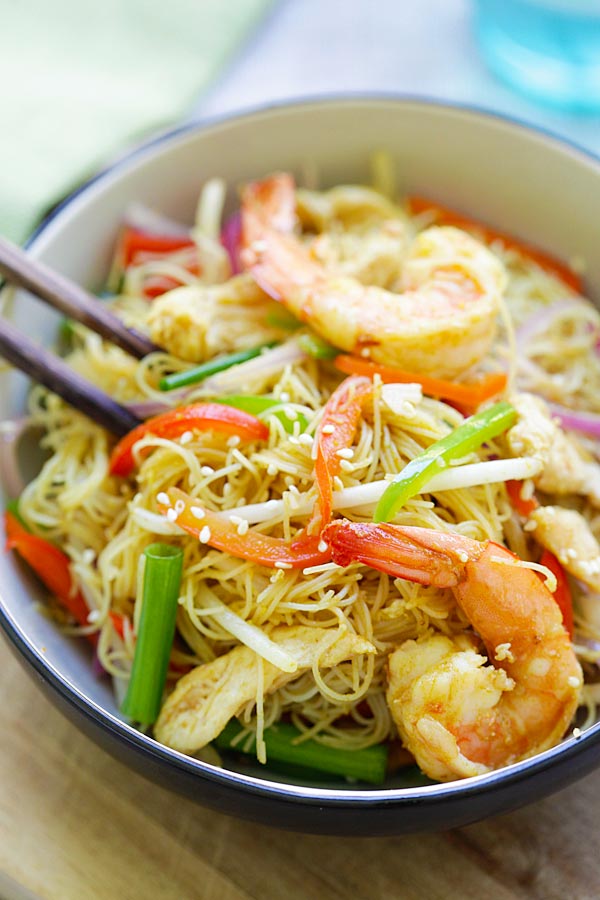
{"x": 416, "y": 554}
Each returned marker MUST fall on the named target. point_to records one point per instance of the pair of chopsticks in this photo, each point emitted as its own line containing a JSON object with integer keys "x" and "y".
{"x": 73, "y": 301}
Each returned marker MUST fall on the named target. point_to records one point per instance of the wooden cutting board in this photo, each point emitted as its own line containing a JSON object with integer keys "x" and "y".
{"x": 76, "y": 825}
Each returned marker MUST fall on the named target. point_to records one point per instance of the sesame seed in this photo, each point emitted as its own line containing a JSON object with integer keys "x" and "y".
{"x": 204, "y": 535}
{"x": 346, "y": 465}
{"x": 327, "y": 429}
{"x": 272, "y": 469}
{"x": 186, "y": 437}
{"x": 243, "y": 527}
{"x": 323, "y": 546}
{"x": 207, "y": 470}
{"x": 197, "y": 512}
{"x": 236, "y": 520}
{"x": 290, "y": 413}
{"x": 284, "y": 397}
{"x": 577, "y": 732}
{"x": 93, "y": 615}
{"x": 305, "y": 439}
{"x": 179, "y": 507}
{"x": 463, "y": 557}
{"x": 531, "y": 525}
{"x": 283, "y": 565}
{"x": 227, "y": 489}
{"x": 258, "y": 246}
{"x": 163, "y": 498}
{"x": 88, "y": 556}
{"x": 345, "y": 453}
{"x": 233, "y": 441}
{"x": 573, "y": 681}
{"x": 571, "y": 553}
{"x": 171, "y": 515}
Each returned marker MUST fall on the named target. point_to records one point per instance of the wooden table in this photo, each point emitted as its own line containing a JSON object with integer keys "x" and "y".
{"x": 76, "y": 825}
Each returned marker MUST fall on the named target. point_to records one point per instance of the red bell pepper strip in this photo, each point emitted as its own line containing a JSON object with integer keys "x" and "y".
{"x": 523, "y": 507}
{"x": 444, "y": 216}
{"x": 217, "y": 531}
{"x": 470, "y": 394}
{"x": 138, "y": 246}
{"x": 336, "y": 432}
{"x": 51, "y": 565}
{"x": 172, "y": 424}
{"x": 562, "y": 594}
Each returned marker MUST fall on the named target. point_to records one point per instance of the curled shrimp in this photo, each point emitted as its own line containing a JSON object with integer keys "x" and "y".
{"x": 443, "y": 320}
{"x": 459, "y": 713}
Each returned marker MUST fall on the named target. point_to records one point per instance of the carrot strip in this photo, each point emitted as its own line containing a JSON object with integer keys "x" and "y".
{"x": 445, "y": 216}
{"x": 336, "y": 432}
{"x": 471, "y": 394}
{"x": 562, "y": 594}
{"x": 523, "y": 507}
{"x": 216, "y": 531}
{"x": 51, "y": 565}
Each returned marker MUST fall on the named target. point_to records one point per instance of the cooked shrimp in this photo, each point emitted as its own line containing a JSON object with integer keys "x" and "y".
{"x": 442, "y": 322}
{"x": 210, "y": 695}
{"x": 459, "y": 713}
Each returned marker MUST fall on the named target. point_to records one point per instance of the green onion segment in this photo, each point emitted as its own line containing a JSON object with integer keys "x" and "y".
{"x": 160, "y": 592}
{"x": 316, "y": 347}
{"x": 212, "y": 367}
{"x": 475, "y": 431}
{"x": 368, "y": 764}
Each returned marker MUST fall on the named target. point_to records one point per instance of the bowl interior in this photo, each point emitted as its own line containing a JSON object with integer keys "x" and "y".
{"x": 522, "y": 182}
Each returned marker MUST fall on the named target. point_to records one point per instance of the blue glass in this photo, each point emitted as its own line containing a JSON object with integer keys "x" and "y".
{"x": 548, "y": 50}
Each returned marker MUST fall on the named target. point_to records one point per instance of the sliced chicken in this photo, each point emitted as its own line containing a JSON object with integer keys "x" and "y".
{"x": 567, "y": 534}
{"x": 210, "y": 695}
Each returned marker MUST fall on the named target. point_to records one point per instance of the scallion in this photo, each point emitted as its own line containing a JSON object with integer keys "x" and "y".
{"x": 316, "y": 347}
{"x": 212, "y": 367}
{"x": 475, "y": 431}
{"x": 161, "y": 583}
{"x": 281, "y": 741}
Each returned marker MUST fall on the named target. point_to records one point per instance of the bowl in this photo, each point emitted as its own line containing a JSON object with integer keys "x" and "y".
{"x": 522, "y": 181}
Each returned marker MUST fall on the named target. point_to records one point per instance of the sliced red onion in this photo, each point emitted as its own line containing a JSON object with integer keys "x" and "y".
{"x": 542, "y": 319}
{"x": 588, "y": 423}
{"x": 98, "y": 669}
{"x": 11, "y": 432}
{"x": 149, "y": 221}
{"x": 145, "y": 409}
{"x": 231, "y": 239}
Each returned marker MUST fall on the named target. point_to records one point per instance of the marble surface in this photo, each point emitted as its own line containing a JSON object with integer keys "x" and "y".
{"x": 423, "y": 49}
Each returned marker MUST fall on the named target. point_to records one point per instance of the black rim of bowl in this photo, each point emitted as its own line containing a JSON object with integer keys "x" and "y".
{"x": 168, "y": 759}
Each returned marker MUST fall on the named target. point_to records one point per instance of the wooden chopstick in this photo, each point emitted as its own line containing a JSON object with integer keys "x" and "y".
{"x": 71, "y": 299}
{"x": 56, "y": 375}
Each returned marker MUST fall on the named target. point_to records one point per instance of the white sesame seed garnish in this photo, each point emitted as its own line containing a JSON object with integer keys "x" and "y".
{"x": 172, "y": 515}
{"x": 258, "y": 246}
{"x": 306, "y": 439}
{"x": 327, "y": 429}
{"x": 186, "y": 437}
{"x": 163, "y": 498}
{"x": 235, "y": 520}
{"x": 204, "y": 535}
{"x": 573, "y": 681}
{"x": 207, "y": 470}
{"x": 197, "y": 512}
{"x": 88, "y": 556}
{"x": 323, "y": 546}
{"x": 346, "y": 465}
{"x": 531, "y": 525}
{"x": 179, "y": 506}
{"x": 243, "y": 527}
{"x": 463, "y": 557}
{"x": 290, "y": 413}
{"x": 577, "y": 732}
{"x": 284, "y": 397}
{"x": 93, "y": 615}
{"x": 345, "y": 453}
{"x": 283, "y": 565}
{"x": 272, "y": 469}
{"x": 233, "y": 441}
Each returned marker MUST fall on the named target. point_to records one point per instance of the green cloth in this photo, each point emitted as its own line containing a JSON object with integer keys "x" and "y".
{"x": 80, "y": 79}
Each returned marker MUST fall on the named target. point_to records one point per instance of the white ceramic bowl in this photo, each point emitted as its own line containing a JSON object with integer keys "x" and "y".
{"x": 525, "y": 182}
